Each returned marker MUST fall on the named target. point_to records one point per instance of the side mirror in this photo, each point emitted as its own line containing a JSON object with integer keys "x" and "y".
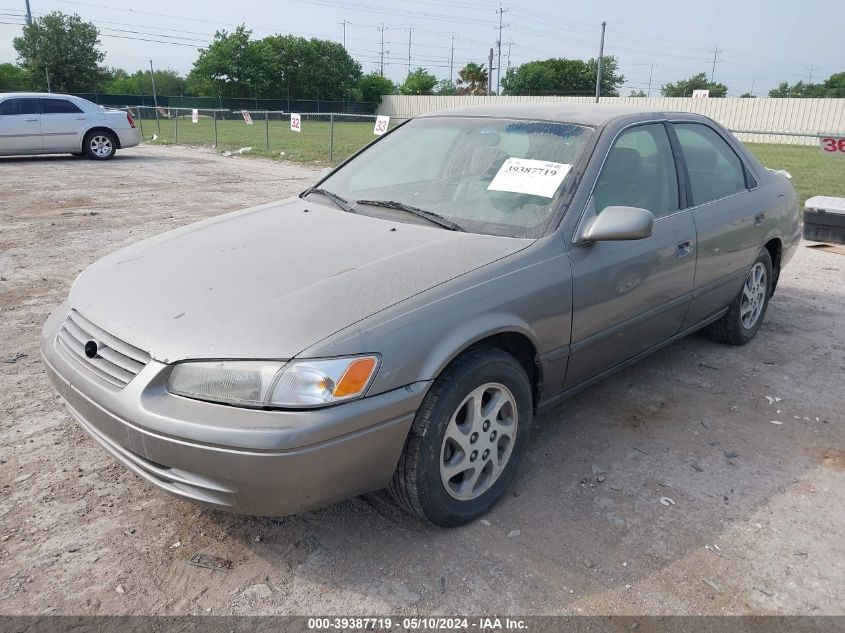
{"x": 620, "y": 223}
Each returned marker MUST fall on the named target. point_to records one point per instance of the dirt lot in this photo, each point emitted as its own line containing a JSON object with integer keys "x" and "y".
{"x": 757, "y": 525}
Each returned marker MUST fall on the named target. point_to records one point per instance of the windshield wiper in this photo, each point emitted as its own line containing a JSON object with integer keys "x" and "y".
{"x": 340, "y": 202}
{"x": 432, "y": 217}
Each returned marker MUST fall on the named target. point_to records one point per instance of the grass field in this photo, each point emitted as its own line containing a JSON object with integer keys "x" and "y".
{"x": 316, "y": 143}
{"x": 813, "y": 173}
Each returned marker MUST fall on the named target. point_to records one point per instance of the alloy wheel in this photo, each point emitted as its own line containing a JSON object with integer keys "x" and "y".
{"x": 753, "y": 296}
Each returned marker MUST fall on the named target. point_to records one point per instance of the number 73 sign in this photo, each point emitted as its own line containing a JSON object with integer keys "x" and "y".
{"x": 833, "y": 145}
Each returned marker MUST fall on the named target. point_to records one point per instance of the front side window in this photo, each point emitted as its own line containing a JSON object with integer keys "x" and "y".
{"x": 11, "y": 107}
{"x": 639, "y": 172}
{"x": 487, "y": 175}
{"x": 715, "y": 171}
{"x": 59, "y": 106}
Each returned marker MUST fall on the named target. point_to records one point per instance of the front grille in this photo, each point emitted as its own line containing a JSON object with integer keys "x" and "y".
{"x": 117, "y": 362}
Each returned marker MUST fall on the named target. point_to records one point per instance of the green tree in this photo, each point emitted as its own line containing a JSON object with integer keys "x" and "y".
{"x": 638, "y": 93}
{"x": 685, "y": 87}
{"x": 372, "y": 87}
{"x": 419, "y": 82}
{"x": 445, "y": 87}
{"x": 833, "y": 87}
{"x": 168, "y": 82}
{"x": 563, "y": 77}
{"x": 472, "y": 79}
{"x": 12, "y": 78}
{"x": 64, "y": 46}
{"x": 230, "y": 66}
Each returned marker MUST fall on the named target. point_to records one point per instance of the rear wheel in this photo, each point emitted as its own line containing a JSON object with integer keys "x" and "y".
{"x": 467, "y": 439}
{"x": 100, "y": 145}
{"x": 745, "y": 315}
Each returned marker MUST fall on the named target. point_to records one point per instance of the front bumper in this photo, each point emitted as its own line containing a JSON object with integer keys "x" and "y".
{"x": 241, "y": 460}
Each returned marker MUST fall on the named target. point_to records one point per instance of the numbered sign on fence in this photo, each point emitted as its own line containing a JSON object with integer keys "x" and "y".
{"x": 382, "y": 123}
{"x": 247, "y": 118}
{"x": 195, "y": 116}
{"x": 295, "y": 122}
{"x": 700, "y": 94}
{"x": 833, "y": 145}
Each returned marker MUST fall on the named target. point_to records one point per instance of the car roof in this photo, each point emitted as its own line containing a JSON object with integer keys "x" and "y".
{"x": 42, "y": 95}
{"x": 580, "y": 113}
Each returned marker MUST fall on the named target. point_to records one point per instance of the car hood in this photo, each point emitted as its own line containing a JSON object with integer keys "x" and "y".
{"x": 269, "y": 282}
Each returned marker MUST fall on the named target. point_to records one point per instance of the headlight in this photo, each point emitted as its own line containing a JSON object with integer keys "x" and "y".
{"x": 297, "y": 384}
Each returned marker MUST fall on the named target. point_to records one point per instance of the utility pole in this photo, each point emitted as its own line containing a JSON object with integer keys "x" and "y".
{"x": 452, "y": 59}
{"x": 28, "y": 14}
{"x": 344, "y": 34}
{"x": 501, "y": 12}
{"x": 47, "y": 73}
{"x": 650, "y": 75}
{"x": 753, "y": 81}
{"x": 601, "y": 57}
{"x": 410, "y": 33}
{"x": 810, "y": 80}
{"x": 490, "y": 73}
{"x": 155, "y": 97}
{"x": 382, "y": 28}
{"x": 715, "y": 52}
{"x": 510, "y": 43}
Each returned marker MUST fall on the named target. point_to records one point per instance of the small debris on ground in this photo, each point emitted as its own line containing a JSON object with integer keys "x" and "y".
{"x": 696, "y": 467}
{"x": 208, "y": 561}
{"x": 442, "y": 585}
{"x": 513, "y": 533}
{"x": 119, "y": 589}
{"x": 667, "y": 501}
{"x": 765, "y": 592}
{"x": 14, "y": 359}
{"x": 713, "y": 585}
{"x": 176, "y": 544}
{"x": 485, "y": 522}
{"x": 731, "y": 454}
{"x": 779, "y": 423}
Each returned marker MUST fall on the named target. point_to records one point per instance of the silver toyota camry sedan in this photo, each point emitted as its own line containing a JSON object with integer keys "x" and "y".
{"x": 401, "y": 322}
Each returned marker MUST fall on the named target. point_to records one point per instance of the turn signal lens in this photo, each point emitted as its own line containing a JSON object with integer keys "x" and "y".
{"x": 355, "y": 378}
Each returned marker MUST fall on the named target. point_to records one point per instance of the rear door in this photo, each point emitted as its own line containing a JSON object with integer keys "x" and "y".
{"x": 20, "y": 125}
{"x": 629, "y": 296}
{"x": 62, "y": 124}
{"x": 729, "y": 219}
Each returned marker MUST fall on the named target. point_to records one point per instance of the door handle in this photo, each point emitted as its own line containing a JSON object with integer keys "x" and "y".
{"x": 32, "y": 120}
{"x": 758, "y": 219}
{"x": 683, "y": 249}
{"x": 81, "y": 118}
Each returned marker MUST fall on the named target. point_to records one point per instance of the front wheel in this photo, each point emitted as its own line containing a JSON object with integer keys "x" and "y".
{"x": 745, "y": 315}
{"x": 467, "y": 439}
{"x": 100, "y": 145}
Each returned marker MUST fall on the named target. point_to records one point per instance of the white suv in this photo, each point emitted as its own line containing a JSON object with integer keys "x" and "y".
{"x": 46, "y": 123}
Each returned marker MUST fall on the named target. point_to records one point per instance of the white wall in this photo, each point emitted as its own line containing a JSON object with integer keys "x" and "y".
{"x": 807, "y": 116}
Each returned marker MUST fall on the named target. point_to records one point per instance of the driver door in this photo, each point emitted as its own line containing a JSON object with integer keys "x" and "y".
{"x": 629, "y": 296}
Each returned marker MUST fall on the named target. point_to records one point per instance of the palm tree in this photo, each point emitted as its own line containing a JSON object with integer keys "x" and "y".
{"x": 472, "y": 79}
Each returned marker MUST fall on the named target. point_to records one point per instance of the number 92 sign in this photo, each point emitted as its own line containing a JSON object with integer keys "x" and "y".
{"x": 833, "y": 145}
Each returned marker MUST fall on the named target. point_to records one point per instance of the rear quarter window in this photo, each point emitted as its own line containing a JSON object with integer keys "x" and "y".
{"x": 715, "y": 171}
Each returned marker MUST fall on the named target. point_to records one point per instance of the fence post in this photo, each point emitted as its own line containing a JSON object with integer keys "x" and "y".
{"x": 215, "y": 129}
{"x": 141, "y": 122}
{"x": 267, "y": 130}
{"x": 176, "y": 128}
{"x": 331, "y": 137}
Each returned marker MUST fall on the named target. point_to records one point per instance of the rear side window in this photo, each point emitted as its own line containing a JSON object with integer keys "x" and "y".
{"x": 715, "y": 171}
{"x": 19, "y": 106}
{"x": 59, "y": 106}
{"x": 639, "y": 172}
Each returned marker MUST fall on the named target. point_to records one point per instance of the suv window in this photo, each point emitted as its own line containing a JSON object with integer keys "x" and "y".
{"x": 59, "y": 106}
{"x": 715, "y": 171}
{"x": 19, "y": 106}
{"x": 639, "y": 172}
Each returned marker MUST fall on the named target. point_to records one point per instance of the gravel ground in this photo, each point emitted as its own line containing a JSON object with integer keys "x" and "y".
{"x": 758, "y": 520}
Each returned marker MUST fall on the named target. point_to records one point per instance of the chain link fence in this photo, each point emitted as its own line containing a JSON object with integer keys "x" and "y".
{"x": 327, "y": 138}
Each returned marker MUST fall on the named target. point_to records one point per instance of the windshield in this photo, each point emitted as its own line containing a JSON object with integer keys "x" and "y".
{"x": 494, "y": 176}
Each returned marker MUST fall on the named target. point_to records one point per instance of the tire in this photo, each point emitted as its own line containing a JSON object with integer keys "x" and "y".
{"x": 100, "y": 145}
{"x": 434, "y": 456}
{"x": 745, "y": 315}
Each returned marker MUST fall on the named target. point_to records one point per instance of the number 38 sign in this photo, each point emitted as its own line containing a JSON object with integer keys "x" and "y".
{"x": 833, "y": 145}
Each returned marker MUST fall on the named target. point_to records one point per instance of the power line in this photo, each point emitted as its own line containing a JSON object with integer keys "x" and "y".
{"x": 715, "y": 52}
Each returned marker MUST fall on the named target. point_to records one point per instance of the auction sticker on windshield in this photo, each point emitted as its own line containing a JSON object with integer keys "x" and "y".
{"x": 534, "y": 177}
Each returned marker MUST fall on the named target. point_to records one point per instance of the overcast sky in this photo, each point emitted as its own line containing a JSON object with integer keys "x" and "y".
{"x": 761, "y": 42}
